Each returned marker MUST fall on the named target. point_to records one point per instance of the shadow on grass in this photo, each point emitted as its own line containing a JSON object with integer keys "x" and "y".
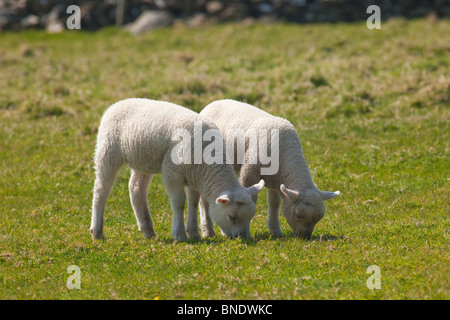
{"x": 328, "y": 237}
{"x": 256, "y": 238}
{"x": 291, "y": 236}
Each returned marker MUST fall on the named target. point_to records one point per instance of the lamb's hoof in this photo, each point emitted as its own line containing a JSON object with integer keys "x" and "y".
{"x": 148, "y": 234}
{"x": 97, "y": 235}
{"x": 208, "y": 233}
{"x": 276, "y": 233}
{"x": 194, "y": 236}
{"x": 180, "y": 237}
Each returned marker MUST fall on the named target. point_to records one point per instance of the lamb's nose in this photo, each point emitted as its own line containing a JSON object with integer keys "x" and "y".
{"x": 243, "y": 235}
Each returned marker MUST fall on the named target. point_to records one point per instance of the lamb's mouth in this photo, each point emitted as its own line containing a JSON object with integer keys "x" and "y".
{"x": 304, "y": 235}
{"x": 236, "y": 235}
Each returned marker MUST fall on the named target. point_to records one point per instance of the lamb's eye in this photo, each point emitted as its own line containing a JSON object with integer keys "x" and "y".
{"x": 240, "y": 203}
{"x": 232, "y": 218}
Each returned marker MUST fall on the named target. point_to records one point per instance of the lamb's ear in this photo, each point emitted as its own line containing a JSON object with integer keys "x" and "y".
{"x": 256, "y": 188}
{"x": 327, "y": 195}
{"x": 223, "y": 199}
{"x": 290, "y": 194}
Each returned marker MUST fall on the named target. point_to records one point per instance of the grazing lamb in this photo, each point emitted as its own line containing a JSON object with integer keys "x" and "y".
{"x": 140, "y": 132}
{"x": 303, "y": 203}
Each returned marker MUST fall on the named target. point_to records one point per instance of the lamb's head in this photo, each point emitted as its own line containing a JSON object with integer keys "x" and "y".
{"x": 233, "y": 210}
{"x": 303, "y": 209}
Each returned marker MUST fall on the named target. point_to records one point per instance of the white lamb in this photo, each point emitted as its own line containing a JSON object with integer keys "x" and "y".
{"x": 140, "y": 132}
{"x": 303, "y": 203}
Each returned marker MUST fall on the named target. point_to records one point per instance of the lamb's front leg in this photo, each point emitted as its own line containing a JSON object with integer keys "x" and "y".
{"x": 192, "y": 220}
{"x": 177, "y": 198}
{"x": 205, "y": 220}
{"x": 273, "y": 221}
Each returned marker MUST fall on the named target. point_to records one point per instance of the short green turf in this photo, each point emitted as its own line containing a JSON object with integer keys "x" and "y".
{"x": 371, "y": 108}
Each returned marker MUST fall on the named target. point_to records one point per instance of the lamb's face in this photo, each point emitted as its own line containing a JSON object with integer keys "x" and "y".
{"x": 303, "y": 214}
{"x": 303, "y": 209}
{"x": 233, "y": 211}
{"x": 233, "y": 215}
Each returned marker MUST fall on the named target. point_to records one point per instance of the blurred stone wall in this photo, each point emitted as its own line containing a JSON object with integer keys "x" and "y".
{"x": 51, "y": 14}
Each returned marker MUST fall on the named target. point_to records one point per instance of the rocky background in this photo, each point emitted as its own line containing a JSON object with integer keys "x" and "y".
{"x": 144, "y": 15}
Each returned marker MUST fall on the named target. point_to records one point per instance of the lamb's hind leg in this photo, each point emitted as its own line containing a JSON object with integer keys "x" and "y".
{"x": 249, "y": 176}
{"x": 192, "y": 219}
{"x": 106, "y": 172}
{"x": 138, "y": 187}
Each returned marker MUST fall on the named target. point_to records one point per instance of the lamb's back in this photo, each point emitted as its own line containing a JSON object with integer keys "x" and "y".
{"x": 142, "y": 129}
{"x": 230, "y": 114}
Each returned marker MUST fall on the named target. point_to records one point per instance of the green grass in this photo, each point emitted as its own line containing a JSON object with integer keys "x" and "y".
{"x": 371, "y": 108}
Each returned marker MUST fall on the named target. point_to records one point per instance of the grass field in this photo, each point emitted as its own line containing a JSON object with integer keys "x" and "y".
{"x": 372, "y": 110}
